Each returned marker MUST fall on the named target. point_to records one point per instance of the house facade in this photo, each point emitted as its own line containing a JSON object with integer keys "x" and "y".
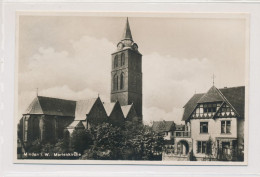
{"x": 165, "y": 128}
{"x": 215, "y": 124}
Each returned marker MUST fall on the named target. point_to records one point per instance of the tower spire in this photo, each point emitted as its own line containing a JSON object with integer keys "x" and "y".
{"x": 127, "y": 32}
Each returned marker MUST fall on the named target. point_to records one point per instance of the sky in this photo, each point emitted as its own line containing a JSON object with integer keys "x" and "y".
{"x": 69, "y": 57}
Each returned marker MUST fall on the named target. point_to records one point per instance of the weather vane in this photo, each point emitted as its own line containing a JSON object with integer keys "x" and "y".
{"x": 213, "y": 78}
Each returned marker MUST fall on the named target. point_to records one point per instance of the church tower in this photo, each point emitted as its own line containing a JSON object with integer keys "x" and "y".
{"x": 126, "y": 74}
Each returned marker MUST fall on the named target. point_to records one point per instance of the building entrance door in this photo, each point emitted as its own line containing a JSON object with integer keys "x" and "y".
{"x": 226, "y": 151}
{"x": 183, "y": 147}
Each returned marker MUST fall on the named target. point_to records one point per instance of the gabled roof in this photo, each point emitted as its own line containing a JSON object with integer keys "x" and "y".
{"x": 75, "y": 124}
{"x": 213, "y": 95}
{"x": 191, "y": 105}
{"x": 127, "y": 32}
{"x": 51, "y": 106}
{"x": 34, "y": 107}
{"x": 126, "y": 109}
{"x": 234, "y": 96}
{"x": 83, "y": 107}
{"x": 109, "y": 107}
{"x": 162, "y": 126}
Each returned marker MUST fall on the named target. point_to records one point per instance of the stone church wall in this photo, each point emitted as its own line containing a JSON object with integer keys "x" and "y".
{"x": 97, "y": 114}
{"x": 116, "y": 118}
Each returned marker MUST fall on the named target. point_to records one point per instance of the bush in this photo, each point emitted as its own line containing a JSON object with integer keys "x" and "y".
{"x": 35, "y": 146}
{"x": 80, "y": 140}
{"x": 132, "y": 142}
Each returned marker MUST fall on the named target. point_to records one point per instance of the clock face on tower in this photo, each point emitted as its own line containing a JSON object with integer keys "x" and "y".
{"x": 120, "y": 46}
{"x": 135, "y": 46}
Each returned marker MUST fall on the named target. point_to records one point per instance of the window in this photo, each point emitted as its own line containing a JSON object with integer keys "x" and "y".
{"x": 122, "y": 81}
{"x": 201, "y": 146}
{"x": 226, "y": 111}
{"x": 226, "y": 126}
{"x": 122, "y": 59}
{"x": 204, "y": 110}
{"x": 203, "y": 127}
{"x": 209, "y": 108}
{"x": 116, "y": 62}
{"x": 25, "y": 128}
{"x": 115, "y": 82}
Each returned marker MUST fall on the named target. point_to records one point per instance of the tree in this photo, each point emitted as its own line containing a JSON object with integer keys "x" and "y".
{"x": 47, "y": 148}
{"x": 35, "y": 146}
{"x": 108, "y": 143}
{"x": 81, "y": 139}
{"x": 62, "y": 146}
{"x": 131, "y": 142}
{"x": 240, "y": 153}
{"x": 147, "y": 144}
{"x": 209, "y": 151}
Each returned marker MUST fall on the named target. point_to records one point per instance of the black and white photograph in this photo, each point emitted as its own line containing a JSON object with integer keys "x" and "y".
{"x": 132, "y": 88}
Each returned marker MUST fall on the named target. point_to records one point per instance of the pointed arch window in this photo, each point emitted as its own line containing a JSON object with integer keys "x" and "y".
{"x": 122, "y": 59}
{"x": 116, "y": 62}
{"x": 115, "y": 82}
{"x": 122, "y": 80}
{"x": 26, "y": 118}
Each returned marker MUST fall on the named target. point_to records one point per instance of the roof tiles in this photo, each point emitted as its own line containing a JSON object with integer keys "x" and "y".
{"x": 51, "y": 106}
{"x": 233, "y": 95}
{"x": 83, "y": 107}
{"x": 163, "y": 126}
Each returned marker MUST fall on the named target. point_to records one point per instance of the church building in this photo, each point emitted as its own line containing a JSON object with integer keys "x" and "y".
{"x": 46, "y": 118}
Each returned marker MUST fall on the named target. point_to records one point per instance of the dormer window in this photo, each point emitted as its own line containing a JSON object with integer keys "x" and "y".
{"x": 206, "y": 109}
{"x": 209, "y": 108}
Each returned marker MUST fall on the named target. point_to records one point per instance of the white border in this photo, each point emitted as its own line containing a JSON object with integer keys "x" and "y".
{"x": 10, "y": 169}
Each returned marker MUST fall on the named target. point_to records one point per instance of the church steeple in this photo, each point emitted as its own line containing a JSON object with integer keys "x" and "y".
{"x": 126, "y": 74}
{"x": 127, "y": 39}
{"x": 127, "y": 32}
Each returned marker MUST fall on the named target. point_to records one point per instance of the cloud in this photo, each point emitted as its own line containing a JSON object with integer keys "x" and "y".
{"x": 156, "y": 114}
{"x": 88, "y": 67}
{"x": 63, "y": 92}
{"x": 83, "y": 74}
{"x": 168, "y": 82}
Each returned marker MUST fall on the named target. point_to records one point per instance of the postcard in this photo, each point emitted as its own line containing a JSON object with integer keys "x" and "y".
{"x": 132, "y": 88}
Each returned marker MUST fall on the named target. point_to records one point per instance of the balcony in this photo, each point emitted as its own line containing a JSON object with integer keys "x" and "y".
{"x": 181, "y": 134}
